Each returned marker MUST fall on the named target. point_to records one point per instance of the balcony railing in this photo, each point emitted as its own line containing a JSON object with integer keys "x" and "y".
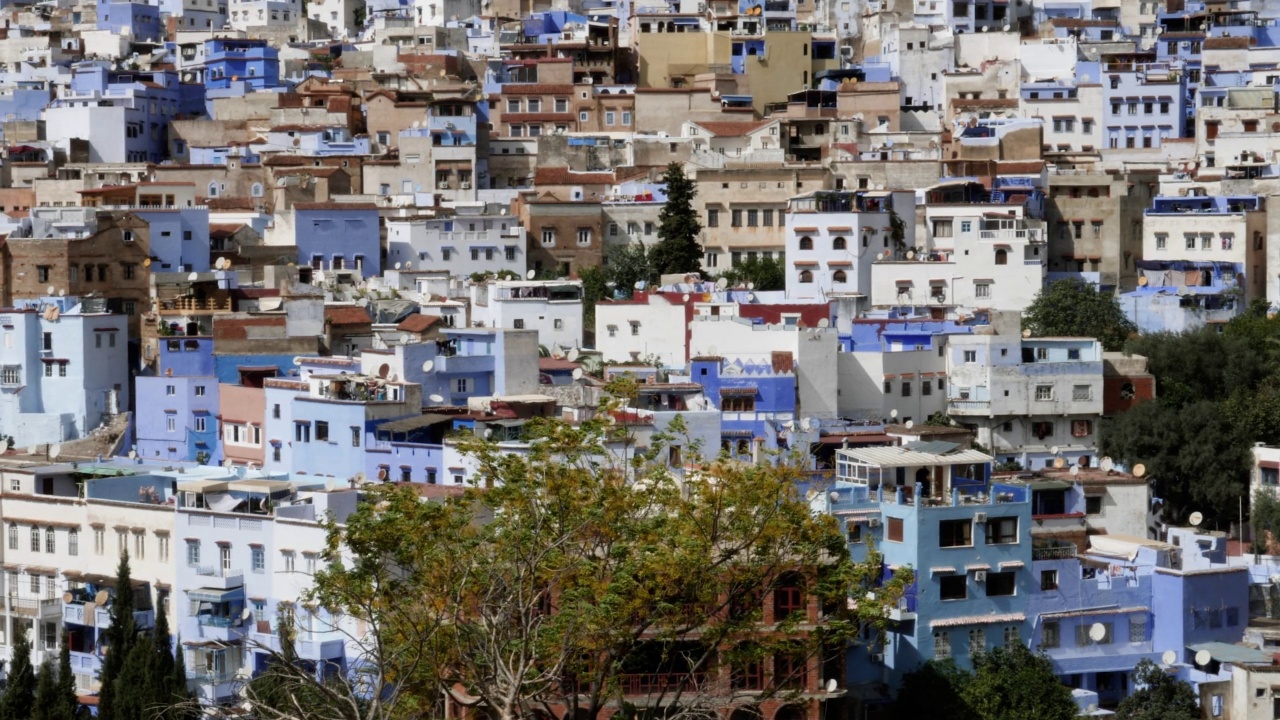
{"x": 965, "y": 404}
{"x": 219, "y": 621}
{"x": 211, "y": 677}
{"x": 1059, "y": 552}
{"x": 649, "y": 683}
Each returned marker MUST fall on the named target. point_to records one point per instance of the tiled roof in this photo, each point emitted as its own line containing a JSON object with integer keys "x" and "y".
{"x": 418, "y": 323}
{"x": 346, "y": 315}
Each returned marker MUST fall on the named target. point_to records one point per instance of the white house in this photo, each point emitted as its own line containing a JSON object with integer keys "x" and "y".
{"x": 552, "y": 307}
{"x": 834, "y": 237}
{"x": 472, "y": 241}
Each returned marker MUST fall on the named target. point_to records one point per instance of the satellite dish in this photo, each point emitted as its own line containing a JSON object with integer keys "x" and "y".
{"x": 893, "y": 413}
{"x": 382, "y": 473}
{"x": 835, "y": 497}
{"x": 408, "y": 265}
{"x": 50, "y": 290}
{"x": 911, "y": 424}
{"x": 193, "y": 276}
{"x": 573, "y": 355}
{"x": 248, "y": 613}
{"x": 531, "y": 274}
{"x": 1139, "y": 470}
{"x": 220, "y": 263}
{"x": 398, "y": 266}
{"x": 100, "y": 597}
{"x": 1203, "y": 658}
{"x": 911, "y": 254}
{"x": 722, "y": 283}
{"x": 577, "y": 373}
{"x": 751, "y": 286}
{"x": 1142, "y": 281}
{"x": 1059, "y": 463}
{"x": 133, "y": 454}
{"x": 685, "y": 297}
{"x": 1054, "y": 450}
{"x": 1107, "y": 464}
{"x": 488, "y": 433}
{"x": 1026, "y": 333}
{"x": 638, "y": 286}
{"x": 1075, "y": 470}
{"x": 146, "y": 262}
{"x": 297, "y": 361}
{"x": 1097, "y": 632}
{"x": 227, "y": 462}
{"x": 824, "y": 323}
{"x": 428, "y": 365}
{"x": 436, "y": 398}
{"x": 1196, "y": 518}
{"x": 67, "y": 597}
{"x": 54, "y": 451}
{"x": 1169, "y": 657}
{"x": 33, "y": 449}
{"x": 831, "y": 685}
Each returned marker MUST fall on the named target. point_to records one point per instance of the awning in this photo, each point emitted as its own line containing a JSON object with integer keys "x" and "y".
{"x": 1010, "y": 564}
{"x": 214, "y": 595}
{"x": 749, "y": 391}
{"x": 805, "y": 262}
{"x": 939, "y": 570}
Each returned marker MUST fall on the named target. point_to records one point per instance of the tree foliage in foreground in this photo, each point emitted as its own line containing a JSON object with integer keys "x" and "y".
{"x": 1073, "y": 308}
{"x": 1218, "y": 392}
{"x": 1159, "y": 696}
{"x": 1008, "y": 683}
{"x": 565, "y": 572}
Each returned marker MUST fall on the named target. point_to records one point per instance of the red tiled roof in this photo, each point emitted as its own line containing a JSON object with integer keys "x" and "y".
{"x": 228, "y": 203}
{"x": 548, "y": 363}
{"x": 1019, "y": 166}
{"x": 565, "y": 176}
{"x": 347, "y": 315}
{"x": 418, "y": 323}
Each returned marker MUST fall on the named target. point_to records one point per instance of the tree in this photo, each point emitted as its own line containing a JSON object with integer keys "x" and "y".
{"x": 46, "y": 694}
{"x": 1012, "y": 683}
{"x": 934, "y": 690}
{"x": 120, "y": 638}
{"x": 1074, "y": 308}
{"x": 763, "y": 273}
{"x": 18, "y": 700}
{"x": 593, "y": 562}
{"x": 678, "y": 250}
{"x": 1159, "y": 696}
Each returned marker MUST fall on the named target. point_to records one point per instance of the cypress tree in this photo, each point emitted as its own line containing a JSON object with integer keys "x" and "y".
{"x": 120, "y": 639}
{"x": 678, "y": 250}
{"x": 46, "y": 697}
{"x": 68, "y": 698}
{"x": 130, "y": 698}
{"x": 184, "y": 707}
{"x": 19, "y": 693}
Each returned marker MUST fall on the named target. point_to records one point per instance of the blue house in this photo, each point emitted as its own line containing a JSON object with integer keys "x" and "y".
{"x": 252, "y": 62}
{"x": 338, "y": 236}
{"x": 757, "y": 403}
{"x": 139, "y": 19}
{"x": 931, "y": 507}
{"x": 182, "y": 423}
{"x": 179, "y": 237}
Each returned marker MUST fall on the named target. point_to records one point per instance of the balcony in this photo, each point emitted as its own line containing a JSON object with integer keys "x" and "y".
{"x": 465, "y": 364}
{"x": 47, "y": 608}
{"x": 1012, "y": 235}
{"x": 210, "y": 677}
{"x": 219, "y": 578}
{"x": 650, "y": 683}
{"x": 967, "y": 405}
{"x": 221, "y": 627}
{"x": 1061, "y": 552}
{"x": 85, "y": 663}
{"x": 141, "y": 618}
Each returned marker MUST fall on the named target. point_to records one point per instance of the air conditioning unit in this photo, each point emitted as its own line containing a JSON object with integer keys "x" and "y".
{"x": 443, "y": 186}
{"x": 980, "y": 517}
{"x": 873, "y": 522}
{"x": 466, "y": 185}
{"x": 980, "y": 576}
{"x": 877, "y": 657}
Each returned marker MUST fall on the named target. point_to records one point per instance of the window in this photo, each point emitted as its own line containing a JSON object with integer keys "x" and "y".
{"x": 99, "y": 541}
{"x": 982, "y": 290}
{"x": 140, "y": 545}
{"x": 1011, "y": 635}
{"x": 35, "y": 539}
{"x": 839, "y": 276}
{"x": 766, "y": 218}
{"x": 193, "y": 553}
{"x": 171, "y": 422}
{"x": 1093, "y": 505}
{"x": 1042, "y": 429}
{"x": 258, "y": 557}
{"x": 1050, "y": 636}
{"x": 461, "y": 385}
{"x": 1001, "y": 584}
{"x": 1162, "y": 241}
{"x": 322, "y": 431}
{"x": 170, "y": 390}
{"x": 1138, "y": 629}
{"x": 1081, "y": 428}
{"x": 954, "y": 587}
{"x": 1048, "y": 580}
{"x": 635, "y": 327}
{"x": 548, "y": 236}
{"x": 806, "y": 276}
{"x": 162, "y": 541}
{"x": 1191, "y": 241}
{"x": 73, "y": 542}
{"x": 906, "y": 388}
{"x": 893, "y": 530}
{"x": 1002, "y": 530}
{"x": 42, "y": 273}
{"x": 584, "y": 236}
{"x": 977, "y": 641}
{"x": 13, "y": 536}
{"x": 1044, "y": 392}
{"x": 46, "y": 342}
{"x": 941, "y": 644}
{"x": 955, "y": 533}
{"x": 355, "y": 436}
{"x": 713, "y": 217}
{"x": 289, "y": 561}
{"x": 735, "y": 218}
{"x": 806, "y": 243}
{"x": 1081, "y": 392}
{"x": 50, "y": 541}
{"x": 942, "y": 228}
{"x": 753, "y": 218}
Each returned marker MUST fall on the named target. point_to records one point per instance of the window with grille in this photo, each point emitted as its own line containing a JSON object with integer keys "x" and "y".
{"x": 941, "y": 645}
{"x": 1011, "y": 635}
{"x": 1049, "y": 635}
{"x": 977, "y": 641}
{"x": 1137, "y": 630}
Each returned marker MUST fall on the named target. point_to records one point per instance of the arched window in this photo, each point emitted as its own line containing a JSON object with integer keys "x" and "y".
{"x": 256, "y": 190}
{"x": 806, "y": 276}
{"x": 839, "y": 277}
{"x": 1002, "y": 256}
{"x": 838, "y": 243}
{"x": 806, "y": 243}
{"x": 213, "y": 189}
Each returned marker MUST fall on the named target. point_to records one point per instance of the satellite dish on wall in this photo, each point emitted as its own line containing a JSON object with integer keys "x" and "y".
{"x": 1026, "y": 333}
{"x": 722, "y": 283}
{"x": 50, "y": 290}
{"x": 832, "y": 685}
{"x": 911, "y": 424}
{"x": 1059, "y": 463}
{"x": 133, "y": 454}
{"x": 436, "y": 398}
{"x": 101, "y": 597}
{"x": 398, "y": 266}
{"x": 573, "y": 355}
{"x": 1107, "y": 464}
{"x": 193, "y": 276}
{"x": 488, "y": 433}
{"x": 893, "y": 413}
{"x": 1054, "y": 450}
{"x": 1196, "y": 518}
{"x": 751, "y": 286}
{"x": 1169, "y": 657}
{"x": 1097, "y": 632}
{"x": 297, "y": 361}
{"x": 428, "y": 365}
{"x": 1075, "y": 470}
{"x": 824, "y": 323}
{"x": 1139, "y": 470}
{"x": 1203, "y": 658}
{"x": 531, "y": 274}
{"x": 54, "y": 451}
{"x": 577, "y": 373}
{"x": 220, "y": 263}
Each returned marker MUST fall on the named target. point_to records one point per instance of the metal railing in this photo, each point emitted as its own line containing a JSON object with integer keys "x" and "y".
{"x": 1058, "y": 552}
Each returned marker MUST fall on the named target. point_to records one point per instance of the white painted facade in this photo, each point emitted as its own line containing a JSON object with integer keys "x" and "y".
{"x": 833, "y": 238}
{"x": 553, "y": 308}
{"x": 461, "y": 245}
{"x": 633, "y": 330}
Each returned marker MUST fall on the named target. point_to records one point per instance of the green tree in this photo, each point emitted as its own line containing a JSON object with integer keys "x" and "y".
{"x": 1159, "y": 696}
{"x": 18, "y": 700}
{"x": 46, "y": 696}
{"x": 678, "y": 250}
{"x": 763, "y": 273}
{"x": 934, "y": 690}
{"x": 1012, "y": 683}
{"x": 593, "y": 561}
{"x": 120, "y": 638}
{"x": 68, "y": 702}
{"x": 186, "y": 707}
{"x": 627, "y": 265}
{"x": 1076, "y": 309}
